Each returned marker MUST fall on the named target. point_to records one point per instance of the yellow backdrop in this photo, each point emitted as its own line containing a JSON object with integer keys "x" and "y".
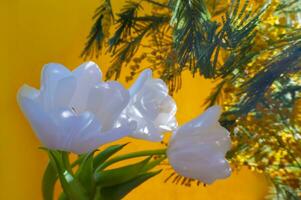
{"x": 36, "y": 32}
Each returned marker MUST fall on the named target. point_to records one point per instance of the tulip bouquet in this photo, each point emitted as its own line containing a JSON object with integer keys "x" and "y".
{"x": 76, "y": 112}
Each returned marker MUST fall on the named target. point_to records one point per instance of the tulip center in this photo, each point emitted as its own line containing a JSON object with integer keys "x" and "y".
{"x": 74, "y": 110}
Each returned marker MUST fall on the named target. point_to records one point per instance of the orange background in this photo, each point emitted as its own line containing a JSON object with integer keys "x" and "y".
{"x": 37, "y": 32}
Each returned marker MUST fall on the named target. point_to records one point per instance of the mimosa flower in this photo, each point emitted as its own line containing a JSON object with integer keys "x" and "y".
{"x": 151, "y": 107}
{"x": 73, "y": 110}
{"x": 197, "y": 149}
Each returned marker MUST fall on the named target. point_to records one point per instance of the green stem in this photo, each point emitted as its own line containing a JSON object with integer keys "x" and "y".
{"x": 78, "y": 161}
{"x": 66, "y": 161}
{"x": 131, "y": 155}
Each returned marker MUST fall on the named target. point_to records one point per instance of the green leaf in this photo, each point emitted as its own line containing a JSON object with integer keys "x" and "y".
{"x": 78, "y": 161}
{"x": 120, "y": 175}
{"x": 119, "y": 191}
{"x": 71, "y": 186}
{"x": 107, "y": 153}
{"x": 48, "y": 182}
{"x": 85, "y": 174}
{"x": 153, "y": 163}
{"x": 156, "y": 152}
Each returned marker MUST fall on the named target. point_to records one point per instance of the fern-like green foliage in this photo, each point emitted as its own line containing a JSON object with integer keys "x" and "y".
{"x": 194, "y": 35}
{"x": 288, "y": 62}
{"x": 103, "y": 17}
{"x": 194, "y": 38}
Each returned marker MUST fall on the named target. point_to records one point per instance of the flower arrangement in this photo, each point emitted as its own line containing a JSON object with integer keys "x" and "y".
{"x": 76, "y": 112}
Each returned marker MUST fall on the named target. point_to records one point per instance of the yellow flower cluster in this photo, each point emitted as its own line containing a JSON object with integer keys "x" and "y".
{"x": 269, "y": 141}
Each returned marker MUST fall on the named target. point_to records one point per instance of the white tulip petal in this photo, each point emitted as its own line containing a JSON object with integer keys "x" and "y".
{"x": 88, "y": 139}
{"x": 87, "y": 76}
{"x": 143, "y": 76}
{"x": 148, "y": 132}
{"x": 157, "y": 85}
{"x": 88, "y": 70}
{"x": 64, "y": 92}
{"x": 52, "y": 73}
{"x": 203, "y": 166}
{"x": 116, "y": 133}
{"x": 166, "y": 121}
{"x": 76, "y": 131}
{"x": 28, "y": 92}
{"x": 107, "y": 100}
{"x": 218, "y": 138}
{"x": 209, "y": 118}
{"x": 169, "y": 106}
{"x": 40, "y": 121}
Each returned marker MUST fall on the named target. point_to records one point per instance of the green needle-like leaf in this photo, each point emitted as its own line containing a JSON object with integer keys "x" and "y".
{"x": 119, "y": 191}
{"x": 107, "y": 153}
{"x": 120, "y": 175}
{"x": 48, "y": 182}
{"x": 85, "y": 174}
{"x": 150, "y": 165}
{"x": 71, "y": 186}
{"x": 137, "y": 154}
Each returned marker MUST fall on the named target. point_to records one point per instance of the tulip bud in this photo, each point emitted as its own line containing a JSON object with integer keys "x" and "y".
{"x": 197, "y": 149}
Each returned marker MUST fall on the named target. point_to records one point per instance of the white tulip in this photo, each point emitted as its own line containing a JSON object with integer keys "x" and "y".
{"x": 151, "y": 107}
{"x": 197, "y": 149}
{"x": 73, "y": 110}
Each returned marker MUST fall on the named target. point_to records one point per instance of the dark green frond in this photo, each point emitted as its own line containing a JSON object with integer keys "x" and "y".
{"x": 157, "y": 3}
{"x": 193, "y": 35}
{"x": 125, "y": 45}
{"x": 286, "y": 5}
{"x": 239, "y": 25}
{"x": 287, "y": 62}
{"x": 126, "y": 23}
{"x": 99, "y": 32}
{"x": 213, "y": 98}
